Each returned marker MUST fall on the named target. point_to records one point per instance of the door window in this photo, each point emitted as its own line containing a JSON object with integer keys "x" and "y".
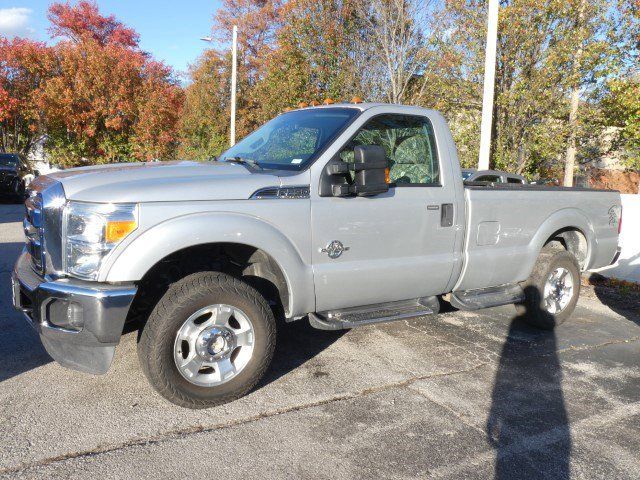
{"x": 410, "y": 145}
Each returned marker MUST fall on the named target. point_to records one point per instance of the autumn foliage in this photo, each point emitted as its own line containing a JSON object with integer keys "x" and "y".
{"x": 431, "y": 53}
{"x": 100, "y": 98}
{"x": 96, "y": 95}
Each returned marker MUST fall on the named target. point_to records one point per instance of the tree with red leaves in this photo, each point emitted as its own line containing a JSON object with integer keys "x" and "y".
{"x": 95, "y": 93}
{"x": 109, "y": 101}
{"x": 84, "y": 21}
{"x": 24, "y": 67}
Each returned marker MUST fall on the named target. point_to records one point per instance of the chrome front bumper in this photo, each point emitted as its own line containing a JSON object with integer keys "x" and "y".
{"x": 80, "y": 323}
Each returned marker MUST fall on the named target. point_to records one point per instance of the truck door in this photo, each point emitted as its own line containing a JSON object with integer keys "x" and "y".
{"x": 393, "y": 246}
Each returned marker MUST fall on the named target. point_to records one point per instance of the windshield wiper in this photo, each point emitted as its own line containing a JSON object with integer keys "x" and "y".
{"x": 242, "y": 161}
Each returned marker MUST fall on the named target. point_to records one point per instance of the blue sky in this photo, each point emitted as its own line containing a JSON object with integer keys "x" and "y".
{"x": 170, "y": 30}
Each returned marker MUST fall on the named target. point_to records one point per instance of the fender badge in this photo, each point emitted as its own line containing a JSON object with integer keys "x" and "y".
{"x": 614, "y": 215}
{"x": 334, "y": 249}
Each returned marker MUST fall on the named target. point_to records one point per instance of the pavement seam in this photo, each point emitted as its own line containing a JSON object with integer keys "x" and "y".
{"x": 493, "y": 356}
{"x": 199, "y": 429}
{"x": 579, "y": 348}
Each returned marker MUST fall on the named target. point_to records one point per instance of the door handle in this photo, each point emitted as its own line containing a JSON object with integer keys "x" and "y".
{"x": 446, "y": 215}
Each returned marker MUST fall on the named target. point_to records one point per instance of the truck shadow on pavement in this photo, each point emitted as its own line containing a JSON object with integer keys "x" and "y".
{"x": 297, "y": 343}
{"x": 11, "y": 212}
{"x": 528, "y": 424}
{"x": 622, "y": 300}
{"x": 20, "y": 347}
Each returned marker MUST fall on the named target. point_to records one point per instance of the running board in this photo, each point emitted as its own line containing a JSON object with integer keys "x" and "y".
{"x": 487, "y": 297}
{"x": 378, "y": 313}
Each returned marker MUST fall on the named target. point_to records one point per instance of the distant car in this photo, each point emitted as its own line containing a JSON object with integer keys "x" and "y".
{"x": 551, "y": 182}
{"x": 16, "y": 173}
{"x": 491, "y": 176}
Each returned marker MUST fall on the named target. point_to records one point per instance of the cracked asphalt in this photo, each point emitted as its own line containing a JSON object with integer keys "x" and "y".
{"x": 458, "y": 395}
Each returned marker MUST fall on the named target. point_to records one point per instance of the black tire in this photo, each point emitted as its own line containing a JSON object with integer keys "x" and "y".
{"x": 185, "y": 297}
{"x": 18, "y": 190}
{"x": 534, "y": 310}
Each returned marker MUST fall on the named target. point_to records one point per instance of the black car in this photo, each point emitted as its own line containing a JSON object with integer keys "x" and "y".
{"x": 16, "y": 174}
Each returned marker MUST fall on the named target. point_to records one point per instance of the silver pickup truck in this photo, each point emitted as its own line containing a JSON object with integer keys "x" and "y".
{"x": 345, "y": 215}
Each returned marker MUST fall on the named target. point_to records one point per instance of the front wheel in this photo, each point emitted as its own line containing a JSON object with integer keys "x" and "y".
{"x": 208, "y": 341}
{"x": 552, "y": 290}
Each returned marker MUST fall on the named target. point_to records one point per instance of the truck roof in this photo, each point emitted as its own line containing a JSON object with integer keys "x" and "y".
{"x": 364, "y": 106}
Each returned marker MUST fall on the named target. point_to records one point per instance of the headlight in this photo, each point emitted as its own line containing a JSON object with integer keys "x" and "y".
{"x": 91, "y": 231}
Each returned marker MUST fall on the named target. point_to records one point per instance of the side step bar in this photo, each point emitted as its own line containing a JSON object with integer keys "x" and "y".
{"x": 487, "y": 297}
{"x": 378, "y": 313}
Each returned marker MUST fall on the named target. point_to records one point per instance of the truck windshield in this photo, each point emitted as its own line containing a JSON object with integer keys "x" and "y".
{"x": 291, "y": 140}
{"x": 8, "y": 160}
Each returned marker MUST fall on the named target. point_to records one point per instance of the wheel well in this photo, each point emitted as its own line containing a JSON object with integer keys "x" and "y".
{"x": 251, "y": 264}
{"x": 574, "y": 241}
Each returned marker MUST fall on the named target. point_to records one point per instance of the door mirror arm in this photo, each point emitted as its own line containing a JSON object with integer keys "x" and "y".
{"x": 335, "y": 180}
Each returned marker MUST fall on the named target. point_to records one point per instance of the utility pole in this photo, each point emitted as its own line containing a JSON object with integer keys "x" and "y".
{"x": 234, "y": 81}
{"x": 489, "y": 83}
{"x": 234, "y": 74}
{"x": 570, "y": 156}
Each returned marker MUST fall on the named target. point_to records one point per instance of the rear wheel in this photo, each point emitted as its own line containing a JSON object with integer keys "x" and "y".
{"x": 552, "y": 290}
{"x": 208, "y": 341}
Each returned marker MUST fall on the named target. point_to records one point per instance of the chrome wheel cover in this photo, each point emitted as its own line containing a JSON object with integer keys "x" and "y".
{"x": 213, "y": 345}
{"x": 558, "y": 290}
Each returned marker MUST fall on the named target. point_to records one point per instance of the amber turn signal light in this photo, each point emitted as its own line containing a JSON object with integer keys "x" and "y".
{"x": 117, "y": 230}
{"x": 387, "y": 175}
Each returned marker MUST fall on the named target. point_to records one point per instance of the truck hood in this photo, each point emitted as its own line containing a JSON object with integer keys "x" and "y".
{"x": 163, "y": 182}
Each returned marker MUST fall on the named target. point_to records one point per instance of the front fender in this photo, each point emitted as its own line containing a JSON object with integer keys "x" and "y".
{"x": 135, "y": 258}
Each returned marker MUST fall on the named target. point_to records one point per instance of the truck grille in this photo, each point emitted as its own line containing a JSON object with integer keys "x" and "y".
{"x": 34, "y": 232}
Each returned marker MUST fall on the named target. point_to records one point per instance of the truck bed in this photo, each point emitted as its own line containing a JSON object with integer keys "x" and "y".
{"x": 507, "y": 225}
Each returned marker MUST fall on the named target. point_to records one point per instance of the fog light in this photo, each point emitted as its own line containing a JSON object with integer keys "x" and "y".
{"x": 74, "y": 316}
{"x": 64, "y": 314}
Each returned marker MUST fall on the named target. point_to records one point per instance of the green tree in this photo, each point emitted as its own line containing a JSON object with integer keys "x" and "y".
{"x": 205, "y": 119}
{"x": 622, "y": 110}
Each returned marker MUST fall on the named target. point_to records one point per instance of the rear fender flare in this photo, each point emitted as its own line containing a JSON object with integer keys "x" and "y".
{"x": 567, "y": 218}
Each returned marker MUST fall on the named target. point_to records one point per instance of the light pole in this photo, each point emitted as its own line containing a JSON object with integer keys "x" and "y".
{"x": 489, "y": 81}
{"x": 234, "y": 76}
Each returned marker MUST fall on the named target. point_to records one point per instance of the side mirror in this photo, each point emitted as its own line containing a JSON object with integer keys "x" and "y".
{"x": 370, "y": 174}
{"x": 370, "y": 165}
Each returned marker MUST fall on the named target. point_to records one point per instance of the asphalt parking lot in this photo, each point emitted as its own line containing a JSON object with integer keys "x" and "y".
{"x": 457, "y": 395}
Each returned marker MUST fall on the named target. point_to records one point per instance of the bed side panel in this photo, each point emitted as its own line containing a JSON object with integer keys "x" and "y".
{"x": 506, "y": 228}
